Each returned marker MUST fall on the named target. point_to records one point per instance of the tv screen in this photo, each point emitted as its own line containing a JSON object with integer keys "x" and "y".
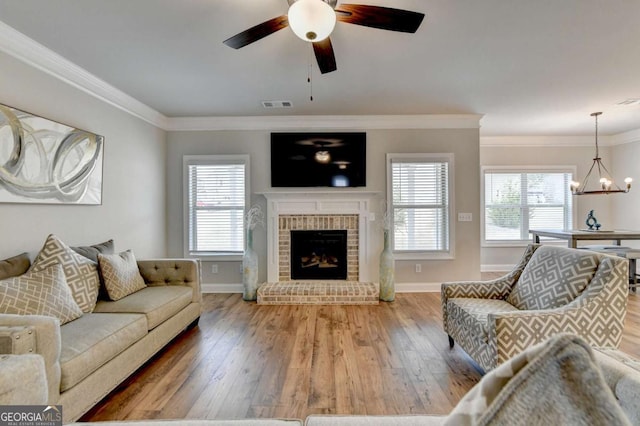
{"x": 318, "y": 159}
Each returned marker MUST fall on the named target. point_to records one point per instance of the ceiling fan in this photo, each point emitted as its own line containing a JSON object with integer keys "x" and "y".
{"x": 314, "y": 20}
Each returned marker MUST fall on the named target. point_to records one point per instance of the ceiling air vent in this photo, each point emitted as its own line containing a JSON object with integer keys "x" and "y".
{"x": 630, "y": 101}
{"x": 277, "y": 104}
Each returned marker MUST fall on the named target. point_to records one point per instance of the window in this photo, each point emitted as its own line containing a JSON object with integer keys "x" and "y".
{"x": 216, "y": 189}
{"x": 518, "y": 200}
{"x": 420, "y": 186}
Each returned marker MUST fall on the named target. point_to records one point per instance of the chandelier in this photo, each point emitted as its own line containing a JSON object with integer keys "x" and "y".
{"x": 606, "y": 184}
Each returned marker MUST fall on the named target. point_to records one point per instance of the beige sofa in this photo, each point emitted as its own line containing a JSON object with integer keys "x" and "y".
{"x": 87, "y": 358}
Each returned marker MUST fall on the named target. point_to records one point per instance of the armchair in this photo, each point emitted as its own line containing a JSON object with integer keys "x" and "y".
{"x": 551, "y": 290}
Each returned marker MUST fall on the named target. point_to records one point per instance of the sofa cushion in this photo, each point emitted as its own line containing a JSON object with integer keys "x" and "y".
{"x": 157, "y": 303}
{"x": 473, "y": 313}
{"x": 120, "y": 274}
{"x": 91, "y": 252}
{"x": 95, "y": 339}
{"x": 619, "y": 357}
{"x": 81, "y": 273}
{"x": 553, "y": 277}
{"x": 39, "y": 293}
{"x": 14, "y": 266}
{"x": 23, "y": 381}
{"x": 621, "y": 372}
{"x": 556, "y": 382}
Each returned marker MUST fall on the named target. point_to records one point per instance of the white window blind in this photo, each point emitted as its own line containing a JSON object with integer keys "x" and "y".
{"x": 516, "y": 201}
{"x": 420, "y": 204}
{"x": 216, "y": 199}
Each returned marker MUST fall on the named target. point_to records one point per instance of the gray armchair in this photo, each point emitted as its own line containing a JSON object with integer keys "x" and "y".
{"x": 551, "y": 290}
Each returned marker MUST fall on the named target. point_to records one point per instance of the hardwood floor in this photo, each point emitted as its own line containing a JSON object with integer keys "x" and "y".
{"x": 246, "y": 360}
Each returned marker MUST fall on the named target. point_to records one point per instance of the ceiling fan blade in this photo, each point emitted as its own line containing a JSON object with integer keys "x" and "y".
{"x": 384, "y": 18}
{"x": 256, "y": 33}
{"x": 324, "y": 55}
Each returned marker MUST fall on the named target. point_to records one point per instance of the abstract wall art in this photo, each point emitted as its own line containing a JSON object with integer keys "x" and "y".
{"x": 42, "y": 161}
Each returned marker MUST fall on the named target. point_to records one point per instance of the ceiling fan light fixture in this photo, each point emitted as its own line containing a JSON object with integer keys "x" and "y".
{"x": 312, "y": 20}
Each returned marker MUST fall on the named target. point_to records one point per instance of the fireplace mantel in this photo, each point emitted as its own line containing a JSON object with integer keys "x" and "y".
{"x": 321, "y": 202}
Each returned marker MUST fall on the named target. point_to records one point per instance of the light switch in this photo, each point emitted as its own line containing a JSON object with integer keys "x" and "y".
{"x": 465, "y": 217}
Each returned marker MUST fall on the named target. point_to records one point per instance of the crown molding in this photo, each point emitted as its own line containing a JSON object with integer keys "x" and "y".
{"x": 25, "y": 49}
{"x": 626, "y": 137}
{"x": 33, "y": 53}
{"x": 311, "y": 122}
{"x": 542, "y": 141}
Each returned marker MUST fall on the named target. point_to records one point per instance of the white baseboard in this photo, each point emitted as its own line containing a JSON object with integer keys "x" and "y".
{"x": 418, "y": 287}
{"x": 221, "y": 288}
{"x": 496, "y": 268}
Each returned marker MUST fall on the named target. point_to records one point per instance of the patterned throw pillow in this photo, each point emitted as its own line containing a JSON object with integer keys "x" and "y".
{"x": 120, "y": 274}
{"x": 39, "y": 293}
{"x": 553, "y": 277}
{"x": 80, "y": 272}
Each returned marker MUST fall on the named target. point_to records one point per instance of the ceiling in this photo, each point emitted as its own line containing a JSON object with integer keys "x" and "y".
{"x": 531, "y": 67}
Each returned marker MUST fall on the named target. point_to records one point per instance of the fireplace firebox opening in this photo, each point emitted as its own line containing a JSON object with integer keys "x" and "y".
{"x": 319, "y": 255}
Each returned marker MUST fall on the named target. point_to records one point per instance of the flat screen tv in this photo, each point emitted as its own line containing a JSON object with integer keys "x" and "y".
{"x": 318, "y": 159}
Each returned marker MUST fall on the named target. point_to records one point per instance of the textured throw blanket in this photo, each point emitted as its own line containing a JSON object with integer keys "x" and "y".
{"x": 554, "y": 383}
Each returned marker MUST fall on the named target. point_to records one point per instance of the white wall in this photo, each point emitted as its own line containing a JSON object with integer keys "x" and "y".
{"x": 464, "y": 143}
{"x": 133, "y": 210}
{"x": 626, "y": 208}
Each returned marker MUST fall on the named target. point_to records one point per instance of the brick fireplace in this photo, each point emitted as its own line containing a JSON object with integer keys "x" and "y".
{"x": 289, "y": 223}
{"x": 321, "y": 210}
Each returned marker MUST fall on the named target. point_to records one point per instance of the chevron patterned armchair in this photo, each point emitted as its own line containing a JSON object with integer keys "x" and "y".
{"x": 551, "y": 290}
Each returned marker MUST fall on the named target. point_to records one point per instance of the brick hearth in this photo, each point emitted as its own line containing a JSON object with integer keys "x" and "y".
{"x": 318, "y": 293}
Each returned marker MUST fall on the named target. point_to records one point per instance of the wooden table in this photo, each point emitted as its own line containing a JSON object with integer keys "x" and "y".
{"x": 574, "y": 235}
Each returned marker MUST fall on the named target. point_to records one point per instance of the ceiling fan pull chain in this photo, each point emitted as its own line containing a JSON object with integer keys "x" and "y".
{"x": 309, "y": 73}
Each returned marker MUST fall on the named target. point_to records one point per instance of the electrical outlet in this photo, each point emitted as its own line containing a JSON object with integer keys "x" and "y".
{"x": 214, "y": 268}
{"x": 418, "y": 268}
{"x": 465, "y": 217}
